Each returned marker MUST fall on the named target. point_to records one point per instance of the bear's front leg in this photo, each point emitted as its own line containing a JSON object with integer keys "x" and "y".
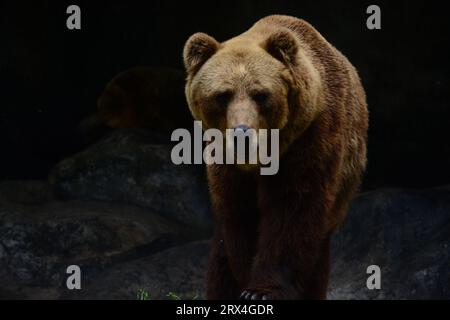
{"x": 292, "y": 256}
{"x": 303, "y": 279}
{"x": 220, "y": 281}
{"x": 233, "y": 195}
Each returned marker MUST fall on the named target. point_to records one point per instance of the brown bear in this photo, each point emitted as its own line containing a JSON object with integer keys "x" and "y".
{"x": 144, "y": 97}
{"x": 140, "y": 97}
{"x": 272, "y": 238}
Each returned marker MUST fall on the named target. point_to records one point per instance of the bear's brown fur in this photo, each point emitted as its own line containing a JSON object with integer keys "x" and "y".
{"x": 272, "y": 239}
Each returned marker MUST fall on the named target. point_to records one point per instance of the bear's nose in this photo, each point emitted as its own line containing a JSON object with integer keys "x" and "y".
{"x": 241, "y": 127}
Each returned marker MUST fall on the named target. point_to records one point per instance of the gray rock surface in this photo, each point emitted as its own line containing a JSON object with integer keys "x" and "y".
{"x": 123, "y": 250}
{"x": 125, "y": 168}
{"x": 406, "y": 233}
{"x": 39, "y": 239}
{"x": 179, "y": 270}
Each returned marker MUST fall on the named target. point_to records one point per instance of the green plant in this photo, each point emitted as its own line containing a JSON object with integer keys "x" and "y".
{"x": 173, "y": 296}
{"x": 143, "y": 294}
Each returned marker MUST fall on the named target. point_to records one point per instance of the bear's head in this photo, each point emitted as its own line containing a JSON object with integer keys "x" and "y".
{"x": 262, "y": 82}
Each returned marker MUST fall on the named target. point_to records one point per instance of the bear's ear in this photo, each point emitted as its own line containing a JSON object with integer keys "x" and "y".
{"x": 197, "y": 50}
{"x": 283, "y": 46}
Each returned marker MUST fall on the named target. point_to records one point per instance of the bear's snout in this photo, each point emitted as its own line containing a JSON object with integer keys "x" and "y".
{"x": 241, "y": 127}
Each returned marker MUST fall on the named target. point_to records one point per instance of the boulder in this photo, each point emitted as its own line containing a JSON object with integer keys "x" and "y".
{"x": 404, "y": 232}
{"x": 179, "y": 271}
{"x": 125, "y": 168}
{"x": 125, "y": 251}
{"x": 39, "y": 239}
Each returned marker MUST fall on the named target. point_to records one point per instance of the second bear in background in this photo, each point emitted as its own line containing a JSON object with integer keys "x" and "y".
{"x": 143, "y": 97}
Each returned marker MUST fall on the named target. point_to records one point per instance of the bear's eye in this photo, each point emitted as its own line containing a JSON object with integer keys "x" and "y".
{"x": 260, "y": 97}
{"x": 223, "y": 98}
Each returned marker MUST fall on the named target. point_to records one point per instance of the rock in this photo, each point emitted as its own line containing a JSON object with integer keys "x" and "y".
{"x": 39, "y": 241}
{"x": 124, "y": 251}
{"x": 125, "y": 168}
{"x": 406, "y": 233}
{"x": 179, "y": 270}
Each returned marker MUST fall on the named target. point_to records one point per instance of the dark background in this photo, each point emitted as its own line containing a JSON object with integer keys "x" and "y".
{"x": 51, "y": 77}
